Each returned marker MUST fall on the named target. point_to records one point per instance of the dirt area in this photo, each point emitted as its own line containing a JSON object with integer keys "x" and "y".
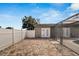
{"x": 37, "y": 48}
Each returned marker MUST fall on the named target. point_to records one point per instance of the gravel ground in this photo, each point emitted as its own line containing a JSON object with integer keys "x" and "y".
{"x": 37, "y": 48}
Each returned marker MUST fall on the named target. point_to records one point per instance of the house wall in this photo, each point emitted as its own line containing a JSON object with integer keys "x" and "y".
{"x": 52, "y": 32}
{"x": 38, "y": 32}
{"x": 75, "y": 32}
{"x": 67, "y": 32}
{"x": 64, "y": 32}
{"x": 57, "y": 32}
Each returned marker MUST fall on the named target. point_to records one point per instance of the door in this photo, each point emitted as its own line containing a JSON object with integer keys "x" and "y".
{"x": 66, "y": 32}
{"x": 45, "y": 32}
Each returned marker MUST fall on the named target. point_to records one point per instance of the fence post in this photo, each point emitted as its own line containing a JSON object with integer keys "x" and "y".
{"x": 12, "y": 36}
{"x": 61, "y": 34}
{"x": 21, "y": 34}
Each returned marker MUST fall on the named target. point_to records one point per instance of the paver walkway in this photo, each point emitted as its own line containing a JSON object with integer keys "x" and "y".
{"x": 70, "y": 44}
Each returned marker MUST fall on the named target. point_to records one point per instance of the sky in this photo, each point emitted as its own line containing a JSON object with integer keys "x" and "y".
{"x": 11, "y": 14}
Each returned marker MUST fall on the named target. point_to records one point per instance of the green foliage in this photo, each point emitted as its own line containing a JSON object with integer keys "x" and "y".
{"x": 29, "y": 22}
{"x": 0, "y": 27}
{"x": 9, "y": 27}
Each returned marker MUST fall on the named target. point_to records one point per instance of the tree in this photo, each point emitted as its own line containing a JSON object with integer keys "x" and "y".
{"x": 29, "y": 22}
{"x": 9, "y": 27}
{"x": 0, "y": 27}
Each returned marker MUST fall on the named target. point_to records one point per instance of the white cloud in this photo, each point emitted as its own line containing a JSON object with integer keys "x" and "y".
{"x": 74, "y": 6}
{"x": 52, "y": 16}
{"x": 55, "y": 16}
